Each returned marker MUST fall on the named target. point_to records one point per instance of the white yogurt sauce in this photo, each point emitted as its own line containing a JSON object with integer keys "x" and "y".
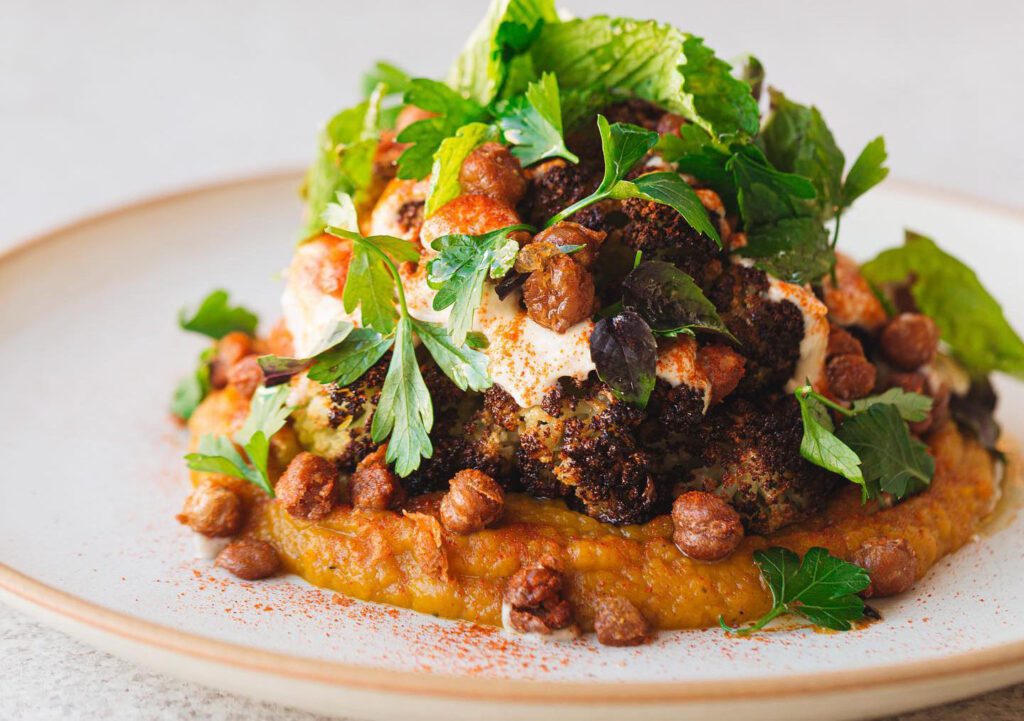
{"x": 813, "y": 347}
{"x": 207, "y": 548}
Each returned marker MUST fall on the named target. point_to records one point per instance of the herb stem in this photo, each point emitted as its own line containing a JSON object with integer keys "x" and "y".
{"x": 579, "y": 205}
{"x": 806, "y": 391}
{"x": 757, "y": 625}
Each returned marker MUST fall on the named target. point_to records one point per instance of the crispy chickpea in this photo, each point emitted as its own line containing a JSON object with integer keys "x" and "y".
{"x": 306, "y": 488}
{"x": 569, "y": 233}
{"x": 706, "y": 527}
{"x": 534, "y": 255}
{"x": 230, "y": 349}
{"x": 245, "y": 376}
{"x": 492, "y": 170}
{"x": 723, "y": 367}
{"x": 473, "y": 502}
{"x": 373, "y": 487}
{"x": 250, "y": 559}
{"x": 850, "y": 376}
{"x": 213, "y": 511}
{"x": 560, "y": 294}
{"x": 841, "y": 342}
{"x": 891, "y": 563}
{"x": 533, "y": 595}
{"x": 910, "y": 340}
{"x": 619, "y": 623}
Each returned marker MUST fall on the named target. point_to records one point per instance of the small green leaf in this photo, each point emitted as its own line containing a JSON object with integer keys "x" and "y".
{"x": 267, "y": 413}
{"x": 393, "y": 79}
{"x": 467, "y": 368}
{"x": 669, "y": 300}
{"x": 626, "y": 356}
{"x": 868, "y": 171}
{"x": 216, "y": 317}
{"x": 278, "y": 369}
{"x": 347, "y": 362}
{"x": 622, "y": 146}
{"x": 404, "y": 414}
{"x": 194, "y": 387}
{"x": 821, "y": 446}
{"x": 912, "y": 407}
{"x": 453, "y": 151}
{"x": 796, "y": 250}
{"x": 533, "y": 123}
{"x": 460, "y": 268}
{"x": 425, "y": 136}
{"x": 821, "y": 588}
{"x": 889, "y": 457}
{"x": 670, "y": 189}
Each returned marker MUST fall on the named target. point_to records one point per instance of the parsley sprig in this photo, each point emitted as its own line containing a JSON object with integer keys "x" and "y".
{"x": 404, "y": 414}
{"x": 623, "y": 146}
{"x": 821, "y": 588}
{"x": 218, "y": 454}
{"x": 873, "y": 447}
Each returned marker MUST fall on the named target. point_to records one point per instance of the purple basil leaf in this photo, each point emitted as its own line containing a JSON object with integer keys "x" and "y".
{"x": 669, "y": 300}
{"x": 626, "y": 355}
{"x": 278, "y": 369}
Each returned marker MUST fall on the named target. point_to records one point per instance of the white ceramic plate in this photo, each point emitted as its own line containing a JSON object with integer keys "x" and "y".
{"x": 92, "y": 475}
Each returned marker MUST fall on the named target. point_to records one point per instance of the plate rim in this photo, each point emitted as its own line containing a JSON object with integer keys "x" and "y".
{"x": 81, "y": 612}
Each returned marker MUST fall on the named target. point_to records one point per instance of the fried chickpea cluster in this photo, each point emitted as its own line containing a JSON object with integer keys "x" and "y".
{"x": 534, "y": 598}
{"x": 306, "y": 489}
{"x": 373, "y": 487}
{"x": 559, "y": 292}
{"x": 474, "y": 501}
{"x": 231, "y": 349}
{"x": 492, "y": 170}
{"x": 909, "y": 341}
{"x": 213, "y": 511}
{"x": 850, "y": 374}
{"x": 705, "y": 527}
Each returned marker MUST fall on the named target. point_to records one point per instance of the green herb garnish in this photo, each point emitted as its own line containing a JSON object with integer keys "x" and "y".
{"x": 216, "y": 317}
{"x": 944, "y": 288}
{"x": 533, "y": 123}
{"x": 217, "y": 454}
{"x": 425, "y": 136}
{"x": 623, "y": 146}
{"x": 194, "y": 387}
{"x": 462, "y": 265}
{"x": 670, "y": 301}
{"x": 821, "y": 588}
{"x": 453, "y": 151}
{"x": 873, "y": 448}
{"x": 625, "y": 354}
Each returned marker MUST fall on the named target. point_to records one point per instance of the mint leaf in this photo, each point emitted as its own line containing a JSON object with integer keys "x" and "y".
{"x": 911, "y": 406}
{"x": 670, "y": 189}
{"x": 494, "y": 61}
{"x": 821, "y": 446}
{"x": 653, "y": 61}
{"x": 890, "y": 458}
{"x": 821, "y": 588}
{"x": 868, "y": 170}
{"x": 459, "y": 270}
{"x": 216, "y": 317}
{"x": 533, "y": 123}
{"x": 348, "y": 361}
{"x": 970, "y": 319}
{"x": 797, "y": 140}
{"x": 467, "y": 368}
{"x": 404, "y": 414}
{"x": 453, "y": 151}
{"x": 425, "y": 136}
{"x": 669, "y": 300}
{"x": 796, "y": 250}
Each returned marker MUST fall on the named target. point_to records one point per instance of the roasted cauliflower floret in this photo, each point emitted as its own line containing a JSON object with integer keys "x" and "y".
{"x": 753, "y": 462}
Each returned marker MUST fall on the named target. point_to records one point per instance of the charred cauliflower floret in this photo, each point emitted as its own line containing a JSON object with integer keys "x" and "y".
{"x": 579, "y": 445}
{"x": 660, "y": 232}
{"x": 753, "y": 462}
{"x": 769, "y": 332}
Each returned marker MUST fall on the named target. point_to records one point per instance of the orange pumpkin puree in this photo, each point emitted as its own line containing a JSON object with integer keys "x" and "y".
{"x": 407, "y": 559}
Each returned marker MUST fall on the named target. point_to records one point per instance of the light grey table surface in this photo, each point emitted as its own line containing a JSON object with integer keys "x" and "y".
{"x": 112, "y": 100}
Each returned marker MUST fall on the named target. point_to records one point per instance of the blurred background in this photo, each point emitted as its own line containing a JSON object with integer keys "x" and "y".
{"x": 111, "y": 100}
{"x": 108, "y": 101}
